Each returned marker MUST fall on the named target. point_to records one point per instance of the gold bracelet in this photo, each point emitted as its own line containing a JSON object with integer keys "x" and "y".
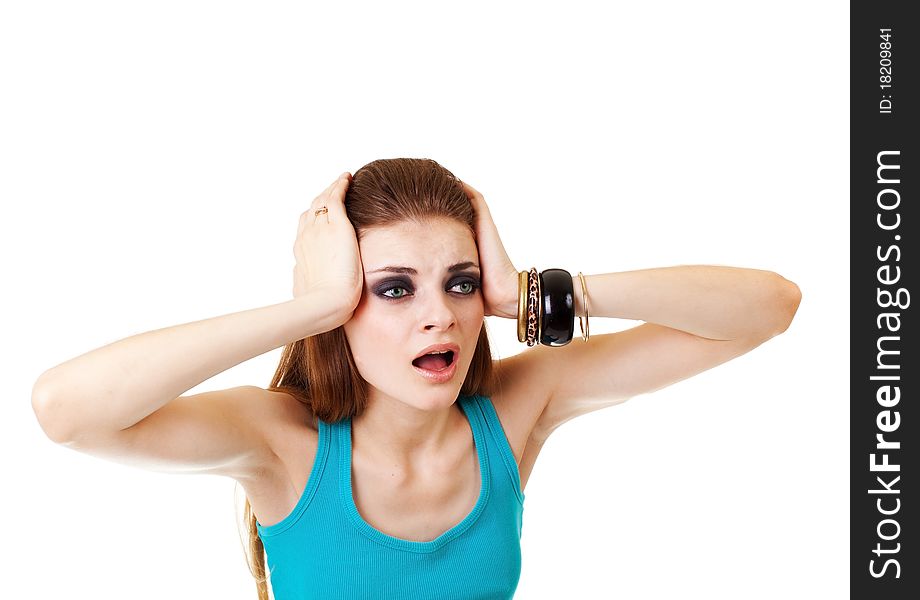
{"x": 585, "y": 331}
{"x": 522, "y": 306}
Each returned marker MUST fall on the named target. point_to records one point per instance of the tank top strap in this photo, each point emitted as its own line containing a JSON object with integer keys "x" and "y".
{"x": 323, "y": 446}
{"x": 486, "y": 413}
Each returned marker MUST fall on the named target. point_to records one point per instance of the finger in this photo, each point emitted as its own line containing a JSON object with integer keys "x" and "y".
{"x": 480, "y": 206}
{"x": 336, "y": 191}
{"x": 299, "y": 258}
{"x": 302, "y": 223}
{"x": 476, "y": 199}
{"x": 328, "y": 199}
{"x": 470, "y": 190}
{"x": 309, "y": 216}
{"x": 321, "y": 198}
{"x": 336, "y": 197}
{"x": 313, "y": 216}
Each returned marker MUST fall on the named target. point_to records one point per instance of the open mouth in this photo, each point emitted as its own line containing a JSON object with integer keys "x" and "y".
{"x": 435, "y": 361}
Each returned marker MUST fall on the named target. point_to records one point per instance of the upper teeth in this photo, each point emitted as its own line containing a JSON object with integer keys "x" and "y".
{"x": 439, "y": 352}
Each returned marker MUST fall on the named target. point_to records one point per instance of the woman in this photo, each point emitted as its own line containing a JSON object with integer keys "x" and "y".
{"x": 389, "y": 455}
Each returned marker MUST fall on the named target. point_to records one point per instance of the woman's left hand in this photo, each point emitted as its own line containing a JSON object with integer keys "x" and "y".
{"x": 499, "y": 277}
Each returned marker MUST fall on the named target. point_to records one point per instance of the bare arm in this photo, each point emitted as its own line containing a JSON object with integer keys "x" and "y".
{"x": 697, "y": 317}
{"x": 709, "y": 301}
{"x": 122, "y": 401}
{"x": 113, "y": 387}
{"x": 117, "y": 386}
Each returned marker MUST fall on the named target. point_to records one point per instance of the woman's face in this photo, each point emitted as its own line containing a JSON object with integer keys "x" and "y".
{"x": 401, "y": 314}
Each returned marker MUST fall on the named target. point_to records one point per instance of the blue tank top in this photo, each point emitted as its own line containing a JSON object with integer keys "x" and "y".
{"x": 325, "y": 549}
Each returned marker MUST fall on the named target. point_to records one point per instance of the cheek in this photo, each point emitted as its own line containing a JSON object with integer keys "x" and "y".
{"x": 471, "y": 325}
{"x": 473, "y": 314}
{"x": 371, "y": 339}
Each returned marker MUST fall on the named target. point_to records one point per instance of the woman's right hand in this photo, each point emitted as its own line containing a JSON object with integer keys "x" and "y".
{"x": 326, "y": 250}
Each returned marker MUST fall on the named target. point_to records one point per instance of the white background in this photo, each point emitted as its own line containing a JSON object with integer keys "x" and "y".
{"x": 154, "y": 160}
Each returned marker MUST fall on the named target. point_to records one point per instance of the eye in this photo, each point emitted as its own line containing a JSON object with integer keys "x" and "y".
{"x": 470, "y": 286}
{"x": 395, "y": 288}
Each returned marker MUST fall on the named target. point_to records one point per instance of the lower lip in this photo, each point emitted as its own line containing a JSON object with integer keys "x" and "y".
{"x": 438, "y": 376}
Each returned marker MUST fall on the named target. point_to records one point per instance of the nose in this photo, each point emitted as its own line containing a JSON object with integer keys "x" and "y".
{"x": 436, "y": 312}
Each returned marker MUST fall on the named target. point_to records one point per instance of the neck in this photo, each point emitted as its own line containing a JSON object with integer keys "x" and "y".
{"x": 403, "y": 436}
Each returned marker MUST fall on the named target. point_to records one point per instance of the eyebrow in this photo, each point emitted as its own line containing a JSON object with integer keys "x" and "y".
{"x": 411, "y": 271}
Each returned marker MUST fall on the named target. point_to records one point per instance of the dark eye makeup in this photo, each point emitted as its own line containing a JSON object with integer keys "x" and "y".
{"x": 384, "y": 288}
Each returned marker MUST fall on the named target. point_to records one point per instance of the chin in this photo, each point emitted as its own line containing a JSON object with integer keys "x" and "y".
{"x": 427, "y": 396}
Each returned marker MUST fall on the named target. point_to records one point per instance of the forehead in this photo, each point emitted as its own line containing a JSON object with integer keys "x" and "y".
{"x": 407, "y": 243}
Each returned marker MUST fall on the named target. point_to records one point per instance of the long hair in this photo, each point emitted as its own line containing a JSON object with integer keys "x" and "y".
{"x": 319, "y": 371}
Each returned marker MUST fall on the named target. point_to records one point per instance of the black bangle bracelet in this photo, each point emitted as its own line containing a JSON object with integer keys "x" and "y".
{"x": 558, "y": 307}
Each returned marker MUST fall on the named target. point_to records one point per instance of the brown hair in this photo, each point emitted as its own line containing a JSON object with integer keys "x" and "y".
{"x": 320, "y": 371}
